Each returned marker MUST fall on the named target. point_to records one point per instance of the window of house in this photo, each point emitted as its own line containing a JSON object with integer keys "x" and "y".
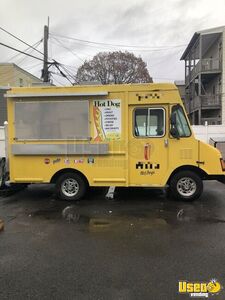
{"x": 21, "y": 81}
{"x": 149, "y": 122}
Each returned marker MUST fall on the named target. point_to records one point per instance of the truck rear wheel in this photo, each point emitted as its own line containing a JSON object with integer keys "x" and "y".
{"x": 186, "y": 185}
{"x": 70, "y": 187}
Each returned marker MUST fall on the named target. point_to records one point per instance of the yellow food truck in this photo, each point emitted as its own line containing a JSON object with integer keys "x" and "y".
{"x": 135, "y": 135}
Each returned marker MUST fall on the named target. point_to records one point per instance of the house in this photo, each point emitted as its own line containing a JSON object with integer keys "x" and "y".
{"x": 12, "y": 75}
{"x": 181, "y": 88}
{"x": 205, "y": 77}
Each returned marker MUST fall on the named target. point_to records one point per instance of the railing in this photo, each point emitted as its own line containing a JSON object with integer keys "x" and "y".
{"x": 211, "y": 121}
{"x": 210, "y": 64}
{"x": 209, "y": 101}
{"x": 205, "y": 65}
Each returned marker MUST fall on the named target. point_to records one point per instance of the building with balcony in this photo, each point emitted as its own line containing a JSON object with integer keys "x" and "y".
{"x": 205, "y": 77}
{"x": 180, "y": 84}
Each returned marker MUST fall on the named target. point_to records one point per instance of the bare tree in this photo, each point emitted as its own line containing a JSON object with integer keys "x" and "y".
{"x": 114, "y": 68}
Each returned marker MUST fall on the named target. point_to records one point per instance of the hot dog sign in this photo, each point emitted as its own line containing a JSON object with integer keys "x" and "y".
{"x": 107, "y": 119}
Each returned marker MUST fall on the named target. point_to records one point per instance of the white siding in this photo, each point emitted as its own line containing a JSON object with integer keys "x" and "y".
{"x": 204, "y": 133}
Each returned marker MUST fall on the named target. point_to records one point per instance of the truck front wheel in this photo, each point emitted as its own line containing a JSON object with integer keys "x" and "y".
{"x": 185, "y": 185}
{"x": 70, "y": 187}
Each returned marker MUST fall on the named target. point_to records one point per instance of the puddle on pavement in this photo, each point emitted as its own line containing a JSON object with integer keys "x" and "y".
{"x": 125, "y": 224}
{"x": 45, "y": 214}
{"x": 132, "y": 209}
{"x": 118, "y": 216}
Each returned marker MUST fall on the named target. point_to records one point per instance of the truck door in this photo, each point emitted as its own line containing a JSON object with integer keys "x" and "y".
{"x": 148, "y": 145}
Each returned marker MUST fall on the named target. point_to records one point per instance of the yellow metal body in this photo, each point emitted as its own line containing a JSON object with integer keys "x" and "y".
{"x": 125, "y": 164}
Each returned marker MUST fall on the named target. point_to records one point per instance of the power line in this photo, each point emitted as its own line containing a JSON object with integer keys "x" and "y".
{"x": 67, "y": 71}
{"x": 56, "y": 64}
{"x": 96, "y": 47}
{"x": 69, "y": 67}
{"x": 59, "y": 74}
{"x": 30, "y": 51}
{"x": 114, "y": 48}
{"x": 12, "y": 48}
{"x": 34, "y": 49}
{"x": 71, "y": 51}
{"x": 164, "y": 59}
{"x": 30, "y": 46}
{"x": 25, "y": 50}
{"x": 150, "y": 48}
{"x": 54, "y": 79}
{"x": 73, "y": 77}
{"x": 29, "y": 67}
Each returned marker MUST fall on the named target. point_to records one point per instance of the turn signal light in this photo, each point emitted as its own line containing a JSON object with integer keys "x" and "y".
{"x": 222, "y": 164}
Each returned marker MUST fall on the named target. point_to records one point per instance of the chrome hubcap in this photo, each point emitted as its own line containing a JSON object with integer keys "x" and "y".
{"x": 70, "y": 187}
{"x": 186, "y": 186}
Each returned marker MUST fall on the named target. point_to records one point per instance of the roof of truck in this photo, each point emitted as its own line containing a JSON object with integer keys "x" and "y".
{"x": 87, "y": 90}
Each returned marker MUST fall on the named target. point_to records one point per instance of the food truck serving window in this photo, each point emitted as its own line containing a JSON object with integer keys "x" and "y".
{"x": 52, "y": 120}
{"x": 149, "y": 122}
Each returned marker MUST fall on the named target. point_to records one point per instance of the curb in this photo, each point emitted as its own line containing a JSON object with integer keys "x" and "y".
{"x": 1, "y": 225}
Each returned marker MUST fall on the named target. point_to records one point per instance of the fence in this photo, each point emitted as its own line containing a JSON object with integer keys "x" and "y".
{"x": 206, "y": 132}
{"x": 210, "y": 133}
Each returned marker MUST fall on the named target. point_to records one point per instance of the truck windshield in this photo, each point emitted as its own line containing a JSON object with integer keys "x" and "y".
{"x": 182, "y": 124}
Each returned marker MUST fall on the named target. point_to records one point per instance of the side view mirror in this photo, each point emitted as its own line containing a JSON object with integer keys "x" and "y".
{"x": 173, "y": 119}
{"x": 173, "y": 126}
{"x": 174, "y": 132}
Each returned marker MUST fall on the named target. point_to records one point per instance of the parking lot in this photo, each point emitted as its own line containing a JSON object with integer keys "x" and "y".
{"x": 137, "y": 246}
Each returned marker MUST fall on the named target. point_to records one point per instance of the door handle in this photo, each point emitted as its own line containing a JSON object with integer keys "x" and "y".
{"x": 166, "y": 142}
{"x": 147, "y": 151}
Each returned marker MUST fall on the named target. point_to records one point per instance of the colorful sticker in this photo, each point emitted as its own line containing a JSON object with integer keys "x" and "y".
{"x": 67, "y": 161}
{"x": 91, "y": 160}
{"x": 47, "y": 161}
{"x": 55, "y": 161}
{"x": 78, "y": 161}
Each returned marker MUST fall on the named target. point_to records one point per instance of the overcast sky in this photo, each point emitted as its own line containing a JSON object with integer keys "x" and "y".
{"x": 160, "y": 29}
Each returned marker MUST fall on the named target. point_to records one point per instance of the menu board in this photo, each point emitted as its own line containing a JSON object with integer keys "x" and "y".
{"x": 107, "y": 119}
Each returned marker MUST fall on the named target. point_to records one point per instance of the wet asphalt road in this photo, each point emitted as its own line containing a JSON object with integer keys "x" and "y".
{"x": 136, "y": 247}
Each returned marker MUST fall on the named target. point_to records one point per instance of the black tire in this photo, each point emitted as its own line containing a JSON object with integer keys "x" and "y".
{"x": 190, "y": 192}
{"x": 74, "y": 192}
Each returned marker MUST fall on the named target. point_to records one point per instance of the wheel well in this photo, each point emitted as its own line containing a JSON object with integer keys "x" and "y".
{"x": 67, "y": 170}
{"x": 200, "y": 172}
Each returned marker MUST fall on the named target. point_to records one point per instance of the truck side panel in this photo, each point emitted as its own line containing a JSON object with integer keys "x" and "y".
{"x": 101, "y": 165}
